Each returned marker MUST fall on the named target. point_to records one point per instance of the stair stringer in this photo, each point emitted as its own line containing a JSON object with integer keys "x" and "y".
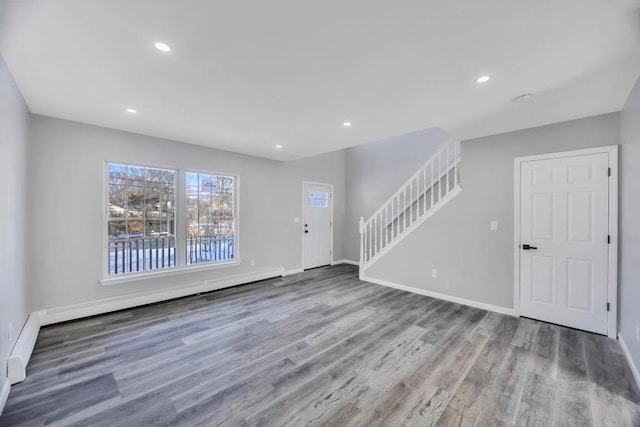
{"x": 409, "y": 230}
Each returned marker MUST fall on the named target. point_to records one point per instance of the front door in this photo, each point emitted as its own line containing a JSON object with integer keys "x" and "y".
{"x": 564, "y": 209}
{"x": 316, "y": 225}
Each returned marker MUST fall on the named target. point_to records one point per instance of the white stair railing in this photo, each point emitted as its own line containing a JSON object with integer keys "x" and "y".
{"x": 437, "y": 181}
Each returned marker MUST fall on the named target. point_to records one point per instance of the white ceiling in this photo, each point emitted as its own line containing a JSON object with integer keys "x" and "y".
{"x": 247, "y": 75}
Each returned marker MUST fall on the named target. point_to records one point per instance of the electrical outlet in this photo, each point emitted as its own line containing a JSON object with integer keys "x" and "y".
{"x": 434, "y": 274}
{"x": 252, "y": 262}
{"x": 493, "y": 225}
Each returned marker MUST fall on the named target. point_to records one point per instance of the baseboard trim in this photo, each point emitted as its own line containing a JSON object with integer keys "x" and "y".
{"x": 21, "y": 353}
{"x": 634, "y": 369}
{"x": 107, "y": 305}
{"x": 290, "y": 272}
{"x": 450, "y": 298}
{"x": 345, "y": 261}
{"x": 241, "y": 279}
{"x": 4, "y": 394}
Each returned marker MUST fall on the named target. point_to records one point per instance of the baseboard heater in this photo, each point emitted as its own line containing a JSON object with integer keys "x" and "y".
{"x": 21, "y": 353}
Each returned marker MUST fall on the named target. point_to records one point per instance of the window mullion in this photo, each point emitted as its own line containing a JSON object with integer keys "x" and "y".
{"x": 180, "y": 222}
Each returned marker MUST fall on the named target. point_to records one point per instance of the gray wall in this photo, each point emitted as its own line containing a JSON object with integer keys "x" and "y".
{"x": 13, "y": 141}
{"x": 65, "y": 199}
{"x": 630, "y": 223}
{"x": 473, "y": 262}
{"x": 376, "y": 170}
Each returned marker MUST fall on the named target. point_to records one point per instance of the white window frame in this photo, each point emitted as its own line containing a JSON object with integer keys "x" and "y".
{"x": 180, "y": 227}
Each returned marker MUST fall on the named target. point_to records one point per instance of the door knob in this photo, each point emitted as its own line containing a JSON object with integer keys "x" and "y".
{"x": 528, "y": 247}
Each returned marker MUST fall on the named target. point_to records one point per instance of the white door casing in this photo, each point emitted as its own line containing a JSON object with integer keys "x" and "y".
{"x": 317, "y": 224}
{"x": 565, "y": 209}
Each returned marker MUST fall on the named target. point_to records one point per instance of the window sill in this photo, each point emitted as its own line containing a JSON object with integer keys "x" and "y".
{"x": 165, "y": 272}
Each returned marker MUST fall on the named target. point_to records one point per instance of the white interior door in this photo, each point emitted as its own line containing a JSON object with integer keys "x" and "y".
{"x": 317, "y": 225}
{"x": 564, "y": 211}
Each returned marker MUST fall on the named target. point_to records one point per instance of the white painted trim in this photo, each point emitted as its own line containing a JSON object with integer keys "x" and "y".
{"x": 463, "y": 301}
{"x": 407, "y": 231}
{"x": 612, "y": 327}
{"x": 106, "y": 305}
{"x": 559, "y": 154}
{"x": 612, "y": 285}
{"x": 172, "y": 271}
{"x": 21, "y": 353}
{"x": 304, "y": 198}
{"x": 634, "y": 368}
{"x": 290, "y": 272}
{"x": 240, "y": 279}
{"x": 516, "y": 235}
{"x": 4, "y": 394}
{"x": 345, "y": 261}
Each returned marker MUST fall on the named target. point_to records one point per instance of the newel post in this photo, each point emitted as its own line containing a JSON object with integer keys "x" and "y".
{"x": 361, "y": 227}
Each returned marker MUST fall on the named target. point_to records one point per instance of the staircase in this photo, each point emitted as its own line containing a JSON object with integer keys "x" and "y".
{"x": 428, "y": 190}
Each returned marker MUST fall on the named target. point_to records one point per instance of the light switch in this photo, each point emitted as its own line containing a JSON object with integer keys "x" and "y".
{"x": 493, "y": 225}
{"x": 296, "y": 220}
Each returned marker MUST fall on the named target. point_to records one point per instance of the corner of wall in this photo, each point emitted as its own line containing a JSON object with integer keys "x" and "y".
{"x": 14, "y": 301}
{"x": 629, "y": 230}
{"x": 5, "y": 388}
{"x": 634, "y": 369}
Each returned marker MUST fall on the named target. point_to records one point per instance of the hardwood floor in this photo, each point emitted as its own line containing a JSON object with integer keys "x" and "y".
{"x": 320, "y": 348}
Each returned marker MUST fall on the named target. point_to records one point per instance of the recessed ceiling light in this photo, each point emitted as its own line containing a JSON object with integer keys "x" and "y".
{"x": 347, "y": 124}
{"x": 162, "y": 47}
{"x": 483, "y": 79}
{"x": 278, "y": 146}
{"x": 131, "y": 110}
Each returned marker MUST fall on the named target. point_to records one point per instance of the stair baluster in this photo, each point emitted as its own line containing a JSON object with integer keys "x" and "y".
{"x": 438, "y": 179}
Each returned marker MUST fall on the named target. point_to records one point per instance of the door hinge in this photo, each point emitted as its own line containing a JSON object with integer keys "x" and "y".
{"x": 607, "y": 306}
{"x": 609, "y": 239}
{"x": 609, "y": 172}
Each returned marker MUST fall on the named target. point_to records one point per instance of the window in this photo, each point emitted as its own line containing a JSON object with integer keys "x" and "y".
{"x": 318, "y": 199}
{"x": 210, "y": 218}
{"x": 141, "y": 218}
{"x": 141, "y": 225}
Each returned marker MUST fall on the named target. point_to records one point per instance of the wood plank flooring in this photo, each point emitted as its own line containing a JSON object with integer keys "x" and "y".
{"x": 320, "y": 348}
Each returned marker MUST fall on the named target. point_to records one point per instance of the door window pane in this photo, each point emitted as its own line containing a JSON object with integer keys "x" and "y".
{"x": 318, "y": 199}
